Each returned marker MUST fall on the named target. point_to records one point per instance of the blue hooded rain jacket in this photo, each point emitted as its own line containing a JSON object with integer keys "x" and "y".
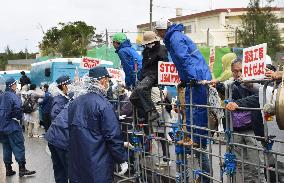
{"x": 191, "y": 66}
{"x": 95, "y": 140}
{"x": 10, "y": 112}
{"x": 58, "y": 132}
{"x": 127, "y": 56}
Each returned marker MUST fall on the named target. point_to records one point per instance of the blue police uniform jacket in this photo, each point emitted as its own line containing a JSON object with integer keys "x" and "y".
{"x": 46, "y": 104}
{"x": 127, "y": 56}
{"x": 191, "y": 65}
{"x": 10, "y": 112}
{"x": 58, "y": 132}
{"x": 95, "y": 140}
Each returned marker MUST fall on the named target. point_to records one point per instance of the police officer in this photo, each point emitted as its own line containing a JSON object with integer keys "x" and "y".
{"x": 95, "y": 137}
{"x": 11, "y": 130}
{"x": 58, "y": 134}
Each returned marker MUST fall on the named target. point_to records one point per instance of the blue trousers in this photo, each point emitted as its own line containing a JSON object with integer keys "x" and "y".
{"x": 13, "y": 143}
{"x": 60, "y": 163}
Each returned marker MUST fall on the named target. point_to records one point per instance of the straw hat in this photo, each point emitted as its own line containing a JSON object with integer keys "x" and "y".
{"x": 149, "y": 37}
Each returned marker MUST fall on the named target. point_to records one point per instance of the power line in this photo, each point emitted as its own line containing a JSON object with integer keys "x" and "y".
{"x": 168, "y": 7}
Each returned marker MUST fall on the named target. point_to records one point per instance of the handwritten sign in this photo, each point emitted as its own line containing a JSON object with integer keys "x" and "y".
{"x": 167, "y": 74}
{"x": 88, "y": 63}
{"x": 115, "y": 73}
{"x": 253, "y": 66}
{"x": 212, "y": 56}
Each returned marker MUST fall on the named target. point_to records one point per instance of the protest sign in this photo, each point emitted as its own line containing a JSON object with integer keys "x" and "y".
{"x": 88, "y": 63}
{"x": 253, "y": 66}
{"x": 115, "y": 73}
{"x": 167, "y": 74}
{"x": 212, "y": 56}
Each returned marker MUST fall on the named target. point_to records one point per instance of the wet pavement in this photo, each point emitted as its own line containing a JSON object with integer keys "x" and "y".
{"x": 37, "y": 159}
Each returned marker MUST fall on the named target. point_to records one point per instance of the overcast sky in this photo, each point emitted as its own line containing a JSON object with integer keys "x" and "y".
{"x": 21, "y": 20}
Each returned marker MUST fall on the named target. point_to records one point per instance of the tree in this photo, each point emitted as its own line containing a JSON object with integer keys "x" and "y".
{"x": 10, "y": 55}
{"x": 259, "y": 25}
{"x": 69, "y": 40}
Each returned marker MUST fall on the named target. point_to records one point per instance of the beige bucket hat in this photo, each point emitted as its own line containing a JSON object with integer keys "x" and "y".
{"x": 149, "y": 37}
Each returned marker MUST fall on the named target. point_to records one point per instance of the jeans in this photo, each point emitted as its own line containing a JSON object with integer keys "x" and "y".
{"x": 141, "y": 95}
{"x": 13, "y": 143}
{"x": 60, "y": 164}
{"x": 204, "y": 164}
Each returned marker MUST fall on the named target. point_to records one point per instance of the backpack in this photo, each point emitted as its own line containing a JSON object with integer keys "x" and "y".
{"x": 28, "y": 105}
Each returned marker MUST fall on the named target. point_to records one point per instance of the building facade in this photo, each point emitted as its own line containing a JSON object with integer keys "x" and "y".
{"x": 216, "y": 27}
{"x": 21, "y": 64}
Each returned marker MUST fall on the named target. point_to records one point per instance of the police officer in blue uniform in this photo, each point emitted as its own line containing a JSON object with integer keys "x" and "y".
{"x": 11, "y": 130}
{"x": 95, "y": 136}
{"x": 58, "y": 134}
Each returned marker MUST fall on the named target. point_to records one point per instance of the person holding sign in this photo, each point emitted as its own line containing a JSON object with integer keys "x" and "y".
{"x": 128, "y": 56}
{"x": 152, "y": 54}
{"x": 191, "y": 67}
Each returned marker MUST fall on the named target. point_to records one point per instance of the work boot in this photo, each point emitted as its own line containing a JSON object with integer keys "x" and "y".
{"x": 23, "y": 171}
{"x": 9, "y": 170}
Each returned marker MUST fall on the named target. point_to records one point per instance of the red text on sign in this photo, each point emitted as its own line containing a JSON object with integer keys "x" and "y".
{"x": 253, "y": 55}
{"x": 254, "y": 69}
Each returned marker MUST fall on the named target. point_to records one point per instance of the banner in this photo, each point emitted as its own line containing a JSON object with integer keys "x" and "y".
{"x": 167, "y": 74}
{"x": 212, "y": 56}
{"x": 115, "y": 73}
{"x": 253, "y": 66}
{"x": 88, "y": 63}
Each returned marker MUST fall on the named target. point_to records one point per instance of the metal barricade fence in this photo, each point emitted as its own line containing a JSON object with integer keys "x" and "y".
{"x": 238, "y": 157}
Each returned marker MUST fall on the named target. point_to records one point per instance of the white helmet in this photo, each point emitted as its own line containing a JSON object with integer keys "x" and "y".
{"x": 162, "y": 24}
{"x": 268, "y": 60}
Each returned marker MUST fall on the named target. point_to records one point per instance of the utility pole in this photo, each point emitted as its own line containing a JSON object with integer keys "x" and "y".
{"x": 106, "y": 43}
{"x": 26, "y": 49}
{"x": 151, "y": 8}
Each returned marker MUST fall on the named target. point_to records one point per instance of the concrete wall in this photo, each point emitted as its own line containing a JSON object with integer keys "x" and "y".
{"x": 10, "y": 67}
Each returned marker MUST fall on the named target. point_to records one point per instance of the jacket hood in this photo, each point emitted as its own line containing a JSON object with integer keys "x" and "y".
{"x": 124, "y": 44}
{"x": 227, "y": 60}
{"x": 171, "y": 30}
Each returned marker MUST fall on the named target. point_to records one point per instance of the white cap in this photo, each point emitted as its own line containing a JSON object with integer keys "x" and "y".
{"x": 268, "y": 60}
{"x": 162, "y": 24}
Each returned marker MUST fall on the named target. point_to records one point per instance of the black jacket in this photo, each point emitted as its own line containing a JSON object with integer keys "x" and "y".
{"x": 24, "y": 80}
{"x": 246, "y": 97}
{"x": 151, "y": 57}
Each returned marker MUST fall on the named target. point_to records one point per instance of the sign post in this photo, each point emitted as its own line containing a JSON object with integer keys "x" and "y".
{"x": 253, "y": 66}
{"x": 167, "y": 74}
{"x": 88, "y": 63}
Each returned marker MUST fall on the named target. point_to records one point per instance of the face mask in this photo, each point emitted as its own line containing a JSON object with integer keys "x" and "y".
{"x": 150, "y": 45}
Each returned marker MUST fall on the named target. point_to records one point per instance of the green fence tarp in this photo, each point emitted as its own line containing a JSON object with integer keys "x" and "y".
{"x": 105, "y": 53}
{"x": 219, "y": 53}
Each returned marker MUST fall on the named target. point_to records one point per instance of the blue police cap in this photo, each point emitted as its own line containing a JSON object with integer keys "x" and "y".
{"x": 10, "y": 82}
{"x": 99, "y": 72}
{"x": 63, "y": 80}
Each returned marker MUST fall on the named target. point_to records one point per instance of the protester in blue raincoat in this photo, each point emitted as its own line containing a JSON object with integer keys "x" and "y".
{"x": 46, "y": 105}
{"x": 95, "y": 136}
{"x": 58, "y": 133}
{"x": 191, "y": 67}
{"x": 11, "y": 133}
{"x": 127, "y": 56}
